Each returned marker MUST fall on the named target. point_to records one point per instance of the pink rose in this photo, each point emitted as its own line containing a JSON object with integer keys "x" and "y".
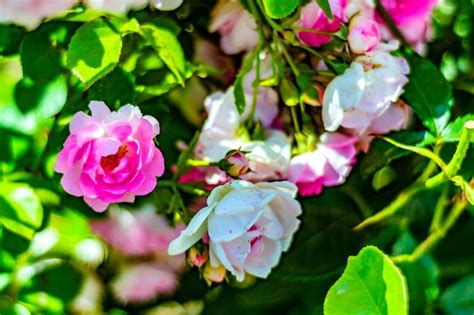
{"x": 396, "y": 117}
{"x": 110, "y": 157}
{"x": 364, "y": 34}
{"x": 327, "y": 166}
{"x": 412, "y": 17}
{"x": 236, "y": 26}
{"x": 138, "y": 233}
{"x": 30, "y": 13}
{"x": 312, "y": 16}
{"x": 143, "y": 282}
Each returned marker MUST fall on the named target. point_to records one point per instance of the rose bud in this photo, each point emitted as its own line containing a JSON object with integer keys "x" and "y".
{"x": 235, "y": 164}
{"x": 197, "y": 258}
{"x": 214, "y": 274}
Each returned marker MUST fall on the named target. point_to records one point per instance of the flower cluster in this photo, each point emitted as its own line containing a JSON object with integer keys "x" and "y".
{"x": 143, "y": 238}
{"x": 280, "y": 129}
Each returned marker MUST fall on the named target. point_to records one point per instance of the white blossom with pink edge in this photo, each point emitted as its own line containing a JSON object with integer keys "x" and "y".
{"x": 364, "y": 91}
{"x": 249, "y": 226}
{"x": 30, "y": 13}
{"x": 328, "y": 165}
{"x": 269, "y": 158}
{"x": 236, "y": 26}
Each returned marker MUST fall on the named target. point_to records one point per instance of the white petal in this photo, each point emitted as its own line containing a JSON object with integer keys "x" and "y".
{"x": 99, "y": 110}
{"x": 221, "y": 255}
{"x": 224, "y": 228}
{"x": 261, "y": 265}
{"x": 240, "y": 201}
{"x": 193, "y": 233}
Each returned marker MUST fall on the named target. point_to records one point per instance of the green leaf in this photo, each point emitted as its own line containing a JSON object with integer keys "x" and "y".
{"x": 115, "y": 88}
{"x": 44, "y": 99}
{"x": 166, "y": 44}
{"x": 10, "y": 39}
{"x": 324, "y": 4}
{"x": 239, "y": 93}
{"x": 94, "y": 51}
{"x": 277, "y": 9}
{"x": 458, "y": 299}
{"x": 21, "y": 208}
{"x": 422, "y": 275}
{"x": 429, "y": 94}
{"x": 40, "y": 60}
{"x": 382, "y": 153}
{"x": 53, "y": 287}
{"x": 453, "y": 131}
{"x": 370, "y": 284}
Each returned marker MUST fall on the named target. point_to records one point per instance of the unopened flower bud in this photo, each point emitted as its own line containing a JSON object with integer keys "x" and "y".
{"x": 364, "y": 34}
{"x": 197, "y": 258}
{"x": 214, "y": 274}
{"x": 235, "y": 164}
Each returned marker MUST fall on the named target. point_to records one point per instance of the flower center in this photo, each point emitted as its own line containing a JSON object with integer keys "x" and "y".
{"x": 110, "y": 162}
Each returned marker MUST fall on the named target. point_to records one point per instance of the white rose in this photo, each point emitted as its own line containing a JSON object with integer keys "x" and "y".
{"x": 364, "y": 91}
{"x": 249, "y": 226}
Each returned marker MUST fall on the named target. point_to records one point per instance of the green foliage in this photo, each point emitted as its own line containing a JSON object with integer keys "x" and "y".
{"x": 370, "y": 284}
{"x": 279, "y": 9}
{"x": 165, "y": 43}
{"x": 94, "y": 51}
{"x": 422, "y": 275}
{"x": 40, "y": 58}
{"x": 22, "y": 211}
{"x": 458, "y": 299}
{"x": 431, "y": 99}
{"x": 324, "y": 4}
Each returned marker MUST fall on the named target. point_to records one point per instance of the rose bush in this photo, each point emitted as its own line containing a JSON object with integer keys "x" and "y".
{"x": 314, "y": 157}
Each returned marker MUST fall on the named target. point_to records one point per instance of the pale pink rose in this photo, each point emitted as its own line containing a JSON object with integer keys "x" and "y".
{"x": 268, "y": 158}
{"x": 328, "y": 165}
{"x": 236, "y": 26}
{"x": 364, "y": 34}
{"x": 364, "y": 91}
{"x": 137, "y": 233}
{"x": 110, "y": 157}
{"x": 412, "y": 17}
{"x": 248, "y": 226}
{"x": 30, "y": 13}
{"x": 396, "y": 117}
{"x": 313, "y": 17}
{"x": 144, "y": 282}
